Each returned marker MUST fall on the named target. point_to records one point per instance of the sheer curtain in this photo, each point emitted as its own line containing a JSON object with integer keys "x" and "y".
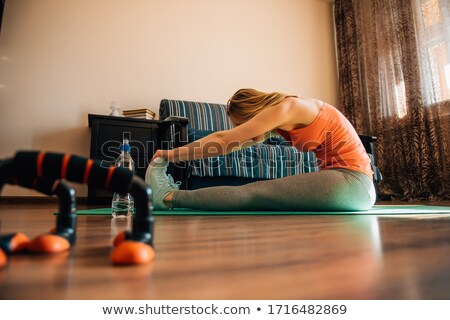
{"x": 394, "y": 81}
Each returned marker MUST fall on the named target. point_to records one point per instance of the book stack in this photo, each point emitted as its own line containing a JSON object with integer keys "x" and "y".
{"x": 139, "y": 113}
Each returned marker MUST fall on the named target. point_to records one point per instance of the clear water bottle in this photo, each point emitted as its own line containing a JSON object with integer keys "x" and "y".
{"x": 123, "y": 204}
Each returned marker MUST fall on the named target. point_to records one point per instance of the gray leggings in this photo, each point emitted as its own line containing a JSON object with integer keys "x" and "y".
{"x": 328, "y": 190}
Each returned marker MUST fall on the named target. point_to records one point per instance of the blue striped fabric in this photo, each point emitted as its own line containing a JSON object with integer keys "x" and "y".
{"x": 201, "y": 115}
{"x": 262, "y": 161}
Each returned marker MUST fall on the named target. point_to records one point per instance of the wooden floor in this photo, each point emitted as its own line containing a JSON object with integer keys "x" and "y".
{"x": 239, "y": 257}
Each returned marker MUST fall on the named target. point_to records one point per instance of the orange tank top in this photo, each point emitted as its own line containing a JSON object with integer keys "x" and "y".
{"x": 333, "y": 140}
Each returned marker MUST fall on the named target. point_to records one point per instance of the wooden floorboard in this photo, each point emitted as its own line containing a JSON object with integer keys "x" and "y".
{"x": 239, "y": 257}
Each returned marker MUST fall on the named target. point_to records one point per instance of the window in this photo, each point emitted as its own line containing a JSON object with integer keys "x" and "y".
{"x": 434, "y": 37}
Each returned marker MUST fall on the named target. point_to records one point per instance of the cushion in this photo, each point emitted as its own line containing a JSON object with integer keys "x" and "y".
{"x": 201, "y": 115}
{"x": 262, "y": 161}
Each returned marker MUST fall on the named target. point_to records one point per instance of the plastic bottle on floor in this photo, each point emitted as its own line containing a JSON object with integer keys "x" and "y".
{"x": 123, "y": 204}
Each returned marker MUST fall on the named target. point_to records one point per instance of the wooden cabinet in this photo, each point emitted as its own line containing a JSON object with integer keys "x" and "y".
{"x": 145, "y": 136}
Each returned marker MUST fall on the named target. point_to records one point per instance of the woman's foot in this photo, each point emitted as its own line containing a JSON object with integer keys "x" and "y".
{"x": 162, "y": 184}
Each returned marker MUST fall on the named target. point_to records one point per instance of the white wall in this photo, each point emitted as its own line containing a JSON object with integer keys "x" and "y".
{"x": 63, "y": 59}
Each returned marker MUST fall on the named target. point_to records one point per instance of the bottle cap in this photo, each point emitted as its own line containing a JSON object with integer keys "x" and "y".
{"x": 114, "y": 105}
{"x": 125, "y": 146}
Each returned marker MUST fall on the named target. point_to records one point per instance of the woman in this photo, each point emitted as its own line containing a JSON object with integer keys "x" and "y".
{"x": 344, "y": 182}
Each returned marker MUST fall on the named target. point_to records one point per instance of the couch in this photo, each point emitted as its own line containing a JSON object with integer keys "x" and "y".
{"x": 271, "y": 159}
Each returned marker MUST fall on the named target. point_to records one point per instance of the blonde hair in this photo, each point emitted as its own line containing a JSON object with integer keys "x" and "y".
{"x": 246, "y": 103}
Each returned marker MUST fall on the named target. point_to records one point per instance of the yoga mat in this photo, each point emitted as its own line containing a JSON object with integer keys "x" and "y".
{"x": 375, "y": 210}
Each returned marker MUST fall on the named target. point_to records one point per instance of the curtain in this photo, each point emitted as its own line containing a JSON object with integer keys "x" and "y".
{"x": 394, "y": 83}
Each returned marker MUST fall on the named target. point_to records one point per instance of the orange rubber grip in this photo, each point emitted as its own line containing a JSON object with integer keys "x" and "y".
{"x": 3, "y": 259}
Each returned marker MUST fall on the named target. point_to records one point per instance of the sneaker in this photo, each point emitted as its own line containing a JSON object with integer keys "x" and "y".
{"x": 160, "y": 182}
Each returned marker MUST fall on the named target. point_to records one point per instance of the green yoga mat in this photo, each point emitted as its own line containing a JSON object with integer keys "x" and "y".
{"x": 375, "y": 210}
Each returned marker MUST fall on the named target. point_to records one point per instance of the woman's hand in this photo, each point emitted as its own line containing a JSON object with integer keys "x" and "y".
{"x": 161, "y": 154}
